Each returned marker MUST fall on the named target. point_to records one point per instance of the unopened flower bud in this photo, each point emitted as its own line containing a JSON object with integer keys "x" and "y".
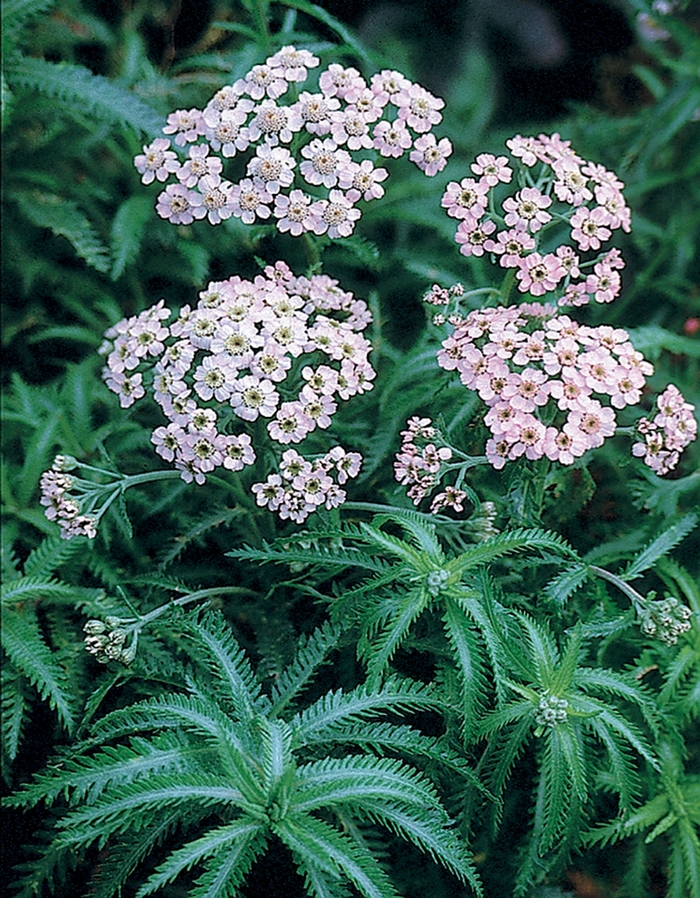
{"x": 127, "y": 655}
{"x": 436, "y": 581}
{"x": 665, "y": 619}
{"x": 64, "y": 463}
{"x": 94, "y": 627}
{"x": 551, "y": 711}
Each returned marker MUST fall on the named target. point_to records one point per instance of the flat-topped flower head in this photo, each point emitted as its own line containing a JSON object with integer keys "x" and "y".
{"x": 328, "y": 132}
{"x": 560, "y": 197}
{"x": 224, "y": 374}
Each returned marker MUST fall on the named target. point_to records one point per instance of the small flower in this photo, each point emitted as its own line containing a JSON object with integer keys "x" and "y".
{"x": 391, "y": 138}
{"x": 248, "y": 201}
{"x": 429, "y": 155}
{"x": 419, "y": 108}
{"x": 198, "y": 165}
{"x": 466, "y": 199}
{"x": 294, "y": 213}
{"x": 361, "y": 180}
{"x": 186, "y": 124}
{"x": 157, "y": 161}
{"x": 324, "y": 161}
{"x": 527, "y": 209}
{"x": 178, "y": 204}
{"x": 492, "y": 169}
{"x": 590, "y": 227}
{"x": 336, "y": 215}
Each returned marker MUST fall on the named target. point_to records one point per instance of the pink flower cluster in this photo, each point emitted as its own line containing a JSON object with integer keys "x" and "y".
{"x": 343, "y": 124}
{"x": 302, "y": 486}
{"x": 555, "y": 188}
{"x": 420, "y": 462}
{"x": 668, "y": 433}
{"x": 543, "y": 376}
{"x": 61, "y": 497}
{"x": 280, "y": 348}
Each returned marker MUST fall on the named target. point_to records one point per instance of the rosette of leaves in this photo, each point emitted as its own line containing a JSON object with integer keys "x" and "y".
{"x": 576, "y": 720}
{"x": 414, "y": 579}
{"x": 225, "y": 768}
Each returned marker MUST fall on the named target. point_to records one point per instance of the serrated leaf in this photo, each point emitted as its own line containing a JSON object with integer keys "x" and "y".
{"x": 65, "y": 219}
{"x": 30, "y": 655}
{"x": 662, "y": 545}
{"x": 84, "y": 93}
{"x": 128, "y": 228}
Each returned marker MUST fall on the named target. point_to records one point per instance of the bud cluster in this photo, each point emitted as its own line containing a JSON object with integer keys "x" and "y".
{"x": 64, "y": 500}
{"x": 335, "y": 131}
{"x": 555, "y": 189}
{"x": 106, "y": 640}
{"x": 551, "y": 711}
{"x": 665, "y": 619}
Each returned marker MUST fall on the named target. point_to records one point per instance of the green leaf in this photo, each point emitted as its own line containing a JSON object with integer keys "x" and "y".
{"x": 661, "y": 545}
{"x": 344, "y": 33}
{"x": 128, "y": 227}
{"x": 309, "y": 837}
{"x": 25, "y": 647}
{"x": 233, "y": 839}
{"x": 84, "y": 93}
{"x": 65, "y": 219}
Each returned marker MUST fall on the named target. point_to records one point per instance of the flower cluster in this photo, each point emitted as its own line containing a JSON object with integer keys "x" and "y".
{"x": 666, "y": 619}
{"x": 543, "y": 376}
{"x": 555, "y": 189}
{"x": 106, "y": 640}
{"x": 302, "y": 486}
{"x": 668, "y": 433}
{"x": 280, "y": 349}
{"x": 420, "y": 462}
{"x": 63, "y": 501}
{"x": 336, "y": 131}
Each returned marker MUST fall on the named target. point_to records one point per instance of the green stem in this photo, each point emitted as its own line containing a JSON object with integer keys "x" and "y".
{"x": 192, "y": 597}
{"x": 636, "y": 598}
{"x": 507, "y": 286}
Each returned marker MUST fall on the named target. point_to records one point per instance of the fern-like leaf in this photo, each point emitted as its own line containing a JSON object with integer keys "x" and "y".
{"x": 213, "y": 644}
{"x": 65, "y": 219}
{"x": 26, "y": 649}
{"x": 83, "y": 93}
{"x": 309, "y": 837}
{"x": 660, "y": 546}
{"x": 128, "y": 228}
{"x": 235, "y": 840}
{"x": 311, "y": 653}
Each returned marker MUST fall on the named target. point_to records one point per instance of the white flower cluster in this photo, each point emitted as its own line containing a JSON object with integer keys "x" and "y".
{"x": 281, "y": 348}
{"x": 553, "y": 187}
{"x": 335, "y": 131}
{"x": 667, "y": 434}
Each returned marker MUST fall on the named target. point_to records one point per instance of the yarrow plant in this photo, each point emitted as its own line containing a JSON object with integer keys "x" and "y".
{"x": 553, "y": 387}
{"x": 310, "y": 153}
{"x": 271, "y": 717}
